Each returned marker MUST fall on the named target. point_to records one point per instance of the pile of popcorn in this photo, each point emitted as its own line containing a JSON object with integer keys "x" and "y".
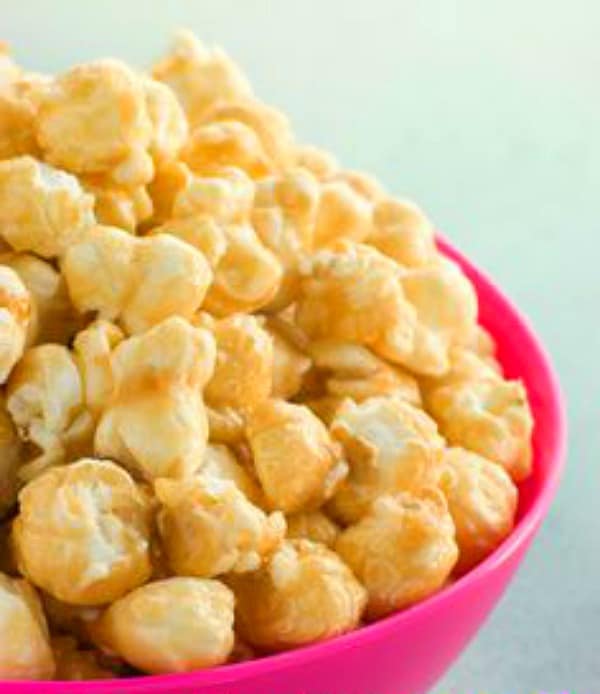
{"x": 246, "y": 404}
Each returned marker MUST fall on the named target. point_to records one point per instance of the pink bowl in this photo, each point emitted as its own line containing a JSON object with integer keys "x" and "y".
{"x": 408, "y": 652}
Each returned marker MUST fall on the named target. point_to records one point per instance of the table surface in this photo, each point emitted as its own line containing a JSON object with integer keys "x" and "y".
{"x": 488, "y": 115}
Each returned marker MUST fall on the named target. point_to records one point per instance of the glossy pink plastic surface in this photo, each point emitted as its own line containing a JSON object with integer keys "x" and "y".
{"x": 408, "y": 652}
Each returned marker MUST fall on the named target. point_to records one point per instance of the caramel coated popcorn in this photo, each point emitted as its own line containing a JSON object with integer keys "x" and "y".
{"x": 245, "y": 402}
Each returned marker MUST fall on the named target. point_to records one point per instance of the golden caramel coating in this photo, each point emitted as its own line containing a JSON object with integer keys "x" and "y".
{"x": 25, "y": 652}
{"x": 246, "y": 278}
{"x": 93, "y": 119}
{"x": 390, "y": 445}
{"x": 226, "y": 143}
{"x": 326, "y": 407}
{"x": 221, "y": 464}
{"x": 92, "y": 350}
{"x": 15, "y": 316}
{"x": 323, "y": 165}
{"x": 45, "y": 398}
{"x": 244, "y": 367}
{"x": 208, "y": 527}
{"x": 290, "y": 363}
{"x": 226, "y": 194}
{"x": 200, "y": 231}
{"x": 402, "y": 551}
{"x": 402, "y": 232}
{"x": 173, "y": 625}
{"x": 53, "y": 316}
{"x": 156, "y": 423}
{"x": 284, "y": 217}
{"x": 11, "y": 457}
{"x": 139, "y": 282}
{"x": 361, "y": 183}
{"x": 42, "y": 209}
{"x": 342, "y": 214}
{"x": 118, "y": 206}
{"x": 199, "y": 75}
{"x": 353, "y": 371}
{"x": 169, "y": 125}
{"x": 170, "y": 179}
{"x": 75, "y": 664}
{"x": 270, "y": 125}
{"x": 482, "y": 500}
{"x": 298, "y": 464}
{"x": 82, "y": 533}
{"x": 446, "y": 307}
{"x": 314, "y": 526}
{"x": 490, "y": 416}
{"x": 225, "y": 425}
{"x": 17, "y": 118}
{"x": 340, "y": 288}
{"x": 304, "y": 594}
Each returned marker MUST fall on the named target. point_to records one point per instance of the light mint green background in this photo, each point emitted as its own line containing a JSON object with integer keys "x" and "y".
{"x": 488, "y": 114}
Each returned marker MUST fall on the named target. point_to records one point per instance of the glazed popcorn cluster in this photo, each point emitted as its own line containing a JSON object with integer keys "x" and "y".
{"x": 246, "y": 404}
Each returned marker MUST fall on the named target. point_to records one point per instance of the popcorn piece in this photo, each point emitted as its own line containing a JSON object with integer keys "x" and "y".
{"x": 221, "y": 464}
{"x": 482, "y": 500}
{"x": 46, "y": 401}
{"x": 284, "y": 219}
{"x": 326, "y": 407}
{"x": 94, "y": 119}
{"x": 342, "y": 214}
{"x": 297, "y": 463}
{"x": 446, "y": 308}
{"x": 17, "y": 118}
{"x": 314, "y": 526}
{"x": 290, "y": 363}
{"x": 402, "y": 232}
{"x": 11, "y": 457}
{"x": 169, "y": 125}
{"x": 487, "y": 415}
{"x": 155, "y": 423}
{"x": 15, "y": 313}
{"x": 227, "y": 143}
{"x": 235, "y": 535}
{"x": 199, "y": 75}
{"x": 117, "y": 206}
{"x": 402, "y": 552}
{"x": 271, "y": 126}
{"x": 138, "y": 281}
{"x": 226, "y": 195}
{"x": 246, "y": 278}
{"x": 170, "y": 179}
{"x": 353, "y": 371}
{"x": 25, "y": 652}
{"x": 341, "y": 288}
{"x": 42, "y": 209}
{"x": 73, "y": 663}
{"x": 361, "y": 183}
{"x": 225, "y": 425}
{"x": 200, "y": 231}
{"x": 173, "y": 625}
{"x": 304, "y": 594}
{"x": 92, "y": 351}
{"x": 243, "y": 371}
{"x": 391, "y": 447}
{"x": 82, "y": 533}
{"x": 321, "y": 164}
{"x": 53, "y": 317}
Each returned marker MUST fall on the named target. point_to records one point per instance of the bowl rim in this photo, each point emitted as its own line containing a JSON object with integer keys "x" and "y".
{"x": 524, "y": 530}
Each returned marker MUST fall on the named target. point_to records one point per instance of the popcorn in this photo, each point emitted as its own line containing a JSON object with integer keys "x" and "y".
{"x": 221, "y": 464}
{"x": 170, "y": 178}
{"x": 173, "y": 625}
{"x": 305, "y": 594}
{"x": 236, "y": 535}
{"x": 391, "y": 447}
{"x": 11, "y": 457}
{"x": 200, "y": 231}
{"x": 118, "y": 206}
{"x": 482, "y": 500}
{"x": 94, "y": 119}
{"x": 155, "y": 423}
{"x": 140, "y": 282}
{"x": 361, "y": 183}
{"x": 169, "y": 125}
{"x": 225, "y": 425}
{"x": 45, "y": 398}
{"x": 314, "y": 526}
{"x": 42, "y": 209}
{"x": 290, "y": 363}
{"x": 323, "y": 165}
{"x": 73, "y": 663}
{"x": 298, "y": 464}
{"x": 82, "y": 533}
{"x": 25, "y": 652}
{"x": 15, "y": 313}
{"x": 17, "y": 118}
{"x": 339, "y": 289}
{"x": 342, "y": 214}
{"x": 200, "y": 76}
{"x": 402, "y": 551}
